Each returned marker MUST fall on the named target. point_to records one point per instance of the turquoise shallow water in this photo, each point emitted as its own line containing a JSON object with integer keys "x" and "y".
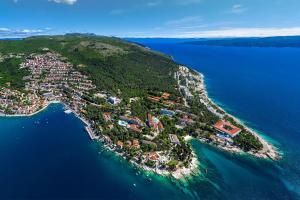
{"x": 50, "y": 155}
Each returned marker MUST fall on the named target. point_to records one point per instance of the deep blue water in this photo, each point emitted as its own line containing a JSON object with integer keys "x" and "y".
{"x": 50, "y": 155}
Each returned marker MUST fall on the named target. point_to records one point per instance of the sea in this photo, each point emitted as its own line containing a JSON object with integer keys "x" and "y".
{"x": 50, "y": 156}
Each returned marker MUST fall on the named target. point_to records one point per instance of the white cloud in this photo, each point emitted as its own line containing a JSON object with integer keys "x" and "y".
{"x": 184, "y": 21}
{"x": 241, "y": 32}
{"x": 6, "y": 32}
{"x": 70, "y": 2}
{"x": 237, "y": 9}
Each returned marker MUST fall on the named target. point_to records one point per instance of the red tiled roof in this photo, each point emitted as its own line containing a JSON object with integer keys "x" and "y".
{"x": 153, "y": 156}
{"x": 120, "y": 144}
{"x": 153, "y": 98}
{"x": 135, "y": 128}
{"x": 165, "y": 95}
{"x": 136, "y": 144}
{"x": 226, "y": 127}
{"x": 160, "y": 126}
{"x": 106, "y": 116}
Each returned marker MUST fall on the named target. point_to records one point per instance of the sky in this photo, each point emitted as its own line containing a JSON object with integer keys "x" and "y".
{"x": 151, "y": 18}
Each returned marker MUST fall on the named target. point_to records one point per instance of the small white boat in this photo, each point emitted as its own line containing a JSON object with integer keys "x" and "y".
{"x": 68, "y": 111}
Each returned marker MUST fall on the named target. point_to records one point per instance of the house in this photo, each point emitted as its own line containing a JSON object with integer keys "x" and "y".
{"x": 107, "y": 139}
{"x": 186, "y": 120}
{"x": 111, "y": 126}
{"x": 153, "y": 156}
{"x": 166, "y": 112}
{"x": 132, "y": 120}
{"x": 154, "y": 98}
{"x": 106, "y": 116}
{"x": 134, "y": 128}
{"x": 48, "y": 95}
{"x": 122, "y": 123}
{"x": 169, "y": 103}
{"x": 160, "y": 127}
{"x": 136, "y": 144}
{"x": 120, "y": 144}
{"x": 154, "y": 122}
{"x": 227, "y": 128}
{"x": 114, "y": 100}
{"x": 186, "y": 93}
{"x": 149, "y": 143}
{"x": 165, "y": 95}
{"x": 174, "y": 139}
{"x": 128, "y": 143}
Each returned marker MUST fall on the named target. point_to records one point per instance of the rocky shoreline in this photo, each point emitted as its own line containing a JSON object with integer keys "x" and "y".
{"x": 268, "y": 151}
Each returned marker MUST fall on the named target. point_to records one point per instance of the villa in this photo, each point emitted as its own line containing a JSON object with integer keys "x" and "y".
{"x": 134, "y": 128}
{"x": 114, "y": 100}
{"x": 154, "y": 122}
{"x": 174, "y": 139}
{"x": 153, "y": 156}
{"x": 166, "y": 112}
{"x": 136, "y": 144}
{"x": 122, "y": 123}
{"x": 165, "y": 95}
{"x": 227, "y": 128}
{"x": 106, "y": 116}
{"x": 132, "y": 120}
{"x": 120, "y": 144}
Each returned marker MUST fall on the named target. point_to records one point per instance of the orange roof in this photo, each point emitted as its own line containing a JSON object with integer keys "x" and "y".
{"x": 153, "y": 98}
{"x": 136, "y": 144}
{"x": 106, "y": 116}
{"x": 135, "y": 128}
{"x": 160, "y": 126}
{"x": 227, "y": 128}
{"x": 165, "y": 95}
{"x": 111, "y": 126}
{"x": 120, "y": 143}
{"x": 168, "y": 102}
{"x": 153, "y": 156}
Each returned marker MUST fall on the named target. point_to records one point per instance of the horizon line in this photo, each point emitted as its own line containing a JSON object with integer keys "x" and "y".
{"x": 150, "y": 37}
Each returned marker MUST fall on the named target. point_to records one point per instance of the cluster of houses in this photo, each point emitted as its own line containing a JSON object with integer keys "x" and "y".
{"x": 164, "y": 99}
{"x": 49, "y": 76}
{"x": 13, "y": 102}
{"x": 152, "y": 123}
{"x": 49, "y": 73}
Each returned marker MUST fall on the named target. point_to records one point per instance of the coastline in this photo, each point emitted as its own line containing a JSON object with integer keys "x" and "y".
{"x": 36, "y": 112}
{"x": 268, "y": 151}
{"x": 89, "y": 131}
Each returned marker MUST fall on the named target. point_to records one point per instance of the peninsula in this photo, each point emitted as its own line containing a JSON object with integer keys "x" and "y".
{"x": 139, "y": 103}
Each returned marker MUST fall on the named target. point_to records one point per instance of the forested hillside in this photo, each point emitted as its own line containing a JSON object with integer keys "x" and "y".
{"x": 113, "y": 64}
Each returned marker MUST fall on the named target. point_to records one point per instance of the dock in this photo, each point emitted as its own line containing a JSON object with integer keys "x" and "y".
{"x": 91, "y": 133}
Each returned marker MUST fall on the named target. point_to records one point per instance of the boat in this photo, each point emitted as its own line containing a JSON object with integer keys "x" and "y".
{"x": 68, "y": 111}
